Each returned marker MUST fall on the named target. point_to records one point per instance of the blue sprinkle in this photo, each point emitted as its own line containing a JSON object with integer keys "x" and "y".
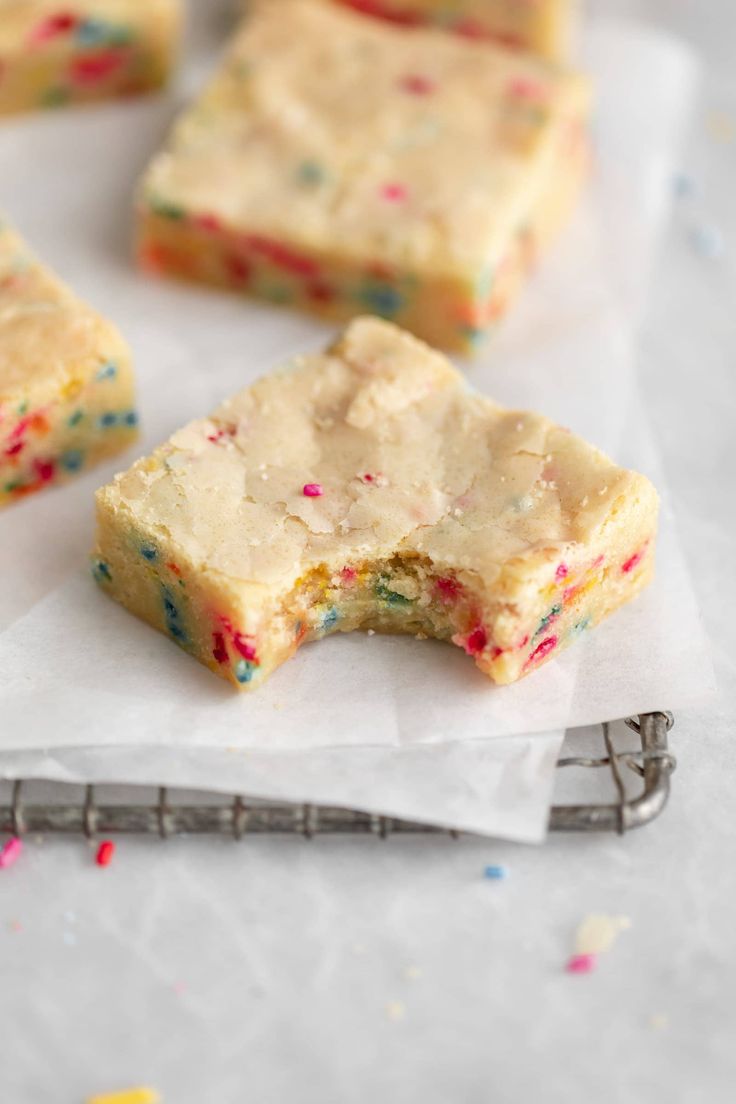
{"x": 101, "y": 571}
{"x": 707, "y": 241}
{"x": 172, "y": 617}
{"x": 130, "y": 418}
{"x": 72, "y": 460}
{"x": 473, "y": 334}
{"x": 92, "y": 32}
{"x": 330, "y": 619}
{"x": 382, "y": 299}
{"x": 244, "y": 670}
{"x": 107, "y": 420}
{"x": 107, "y": 371}
{"x": 149, "y": 552}
{"x": 495, "y": 873}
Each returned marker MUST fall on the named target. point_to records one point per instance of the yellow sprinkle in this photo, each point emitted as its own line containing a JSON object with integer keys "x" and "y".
{"x": 127, "y": 1096}
{"x": 597, "y": 933}
{"x": 395, "y": 1010}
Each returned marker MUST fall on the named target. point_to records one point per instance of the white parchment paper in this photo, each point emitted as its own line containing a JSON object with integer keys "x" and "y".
{"x": 353, "y": 720}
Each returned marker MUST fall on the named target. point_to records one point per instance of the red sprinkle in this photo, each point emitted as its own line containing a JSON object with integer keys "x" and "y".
{"x": 44, "y": 470}
{"x": 88, "y": 69}
{"x": 282, "y": 256}
{"x": 219, "y": 650}
{"x": 633, "y": 561}
{"x": 394, "y": 192}
{"x": 15, "y": 449}
{"x": 10, "y": 853}
{"x": 312, "y": 490}
{"x": 174, "y": 567}
{"x": 542, "y": 650}
{"x": 476, "y": 642}
{"x": 417, "y": 85}
{"x": 348, "y": 575}
{"x": 55, "y": 25}
{"x": 320, "y": 293}
{"x": 562, "y": 572}
{"x": 581, "y": 964}
{"x": 449, "y": 588}
{"x": 105, "y": 852}
{"x": 238, "y": 268}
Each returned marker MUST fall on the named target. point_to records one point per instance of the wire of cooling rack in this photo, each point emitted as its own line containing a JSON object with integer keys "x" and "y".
{"x": 652, "y": 763}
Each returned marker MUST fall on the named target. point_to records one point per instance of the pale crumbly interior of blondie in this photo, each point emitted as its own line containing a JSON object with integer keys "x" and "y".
{"x": 342, "y": 165}
{"x": 53, "y": 54}
{"x": 542, "y": 26}
{"x": 66, "y": 382}
{"x": 368, "y": 488}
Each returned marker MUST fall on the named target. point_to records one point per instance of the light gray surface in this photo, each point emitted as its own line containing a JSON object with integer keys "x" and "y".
{"x": 287, "y": 987}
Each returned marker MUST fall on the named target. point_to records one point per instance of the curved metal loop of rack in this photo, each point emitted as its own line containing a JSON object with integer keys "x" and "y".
{"x": 653, "y": 763}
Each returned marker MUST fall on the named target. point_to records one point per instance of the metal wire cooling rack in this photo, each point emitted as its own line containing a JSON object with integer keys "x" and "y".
{"x": 651, "y": 762}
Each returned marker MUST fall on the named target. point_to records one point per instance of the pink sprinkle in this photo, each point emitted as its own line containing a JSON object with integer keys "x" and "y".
{"x": 542, "y": 650}
{"x": 246, "y": 650}
{"x": 581, "y": 964}
{"x": 209, "y": 223}
{"x": 10, "y": 853}
{"x": 105, "y": 852}
{"x": 526, "y": 88}
{"x": 633, "y": 561}
{"x": 348, "y": 575}
{"x": 313, "y": 490}
{"x": 394, "y": 193}
{"x": 417, "y": 85}
{"x": 561, "y": 572}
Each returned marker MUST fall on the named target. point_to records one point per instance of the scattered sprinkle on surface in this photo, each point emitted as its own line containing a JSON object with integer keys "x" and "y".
{"x": 105, "y": 853}
{"x": 412, "y": 973}
{"x": 597, "y": 933}
{"x": 721, "y": 126}
{"x": 683, "y": 185}
{"x": 659, "y": 1021}
{"x": 581, "y": 964}
{"x": 495, "y": 872}
{"x": 10, "y": 852}
{"x": 313, "y": 490}
{"x": 141, "y": 1095}
{"x": 395, "y": 1010}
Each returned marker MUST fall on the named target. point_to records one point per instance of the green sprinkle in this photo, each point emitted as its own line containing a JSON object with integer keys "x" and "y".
{"x": 55, "y": 97}
{"x": 167, "y": 210}
{"x": 23, "y": 408}
{"x": 277, "y": 293}
{"x": 75, "y": 418}
{"x": 310, "y": 173}
{"x": 382, "y": 591}
{"x": 553, "y": 613}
